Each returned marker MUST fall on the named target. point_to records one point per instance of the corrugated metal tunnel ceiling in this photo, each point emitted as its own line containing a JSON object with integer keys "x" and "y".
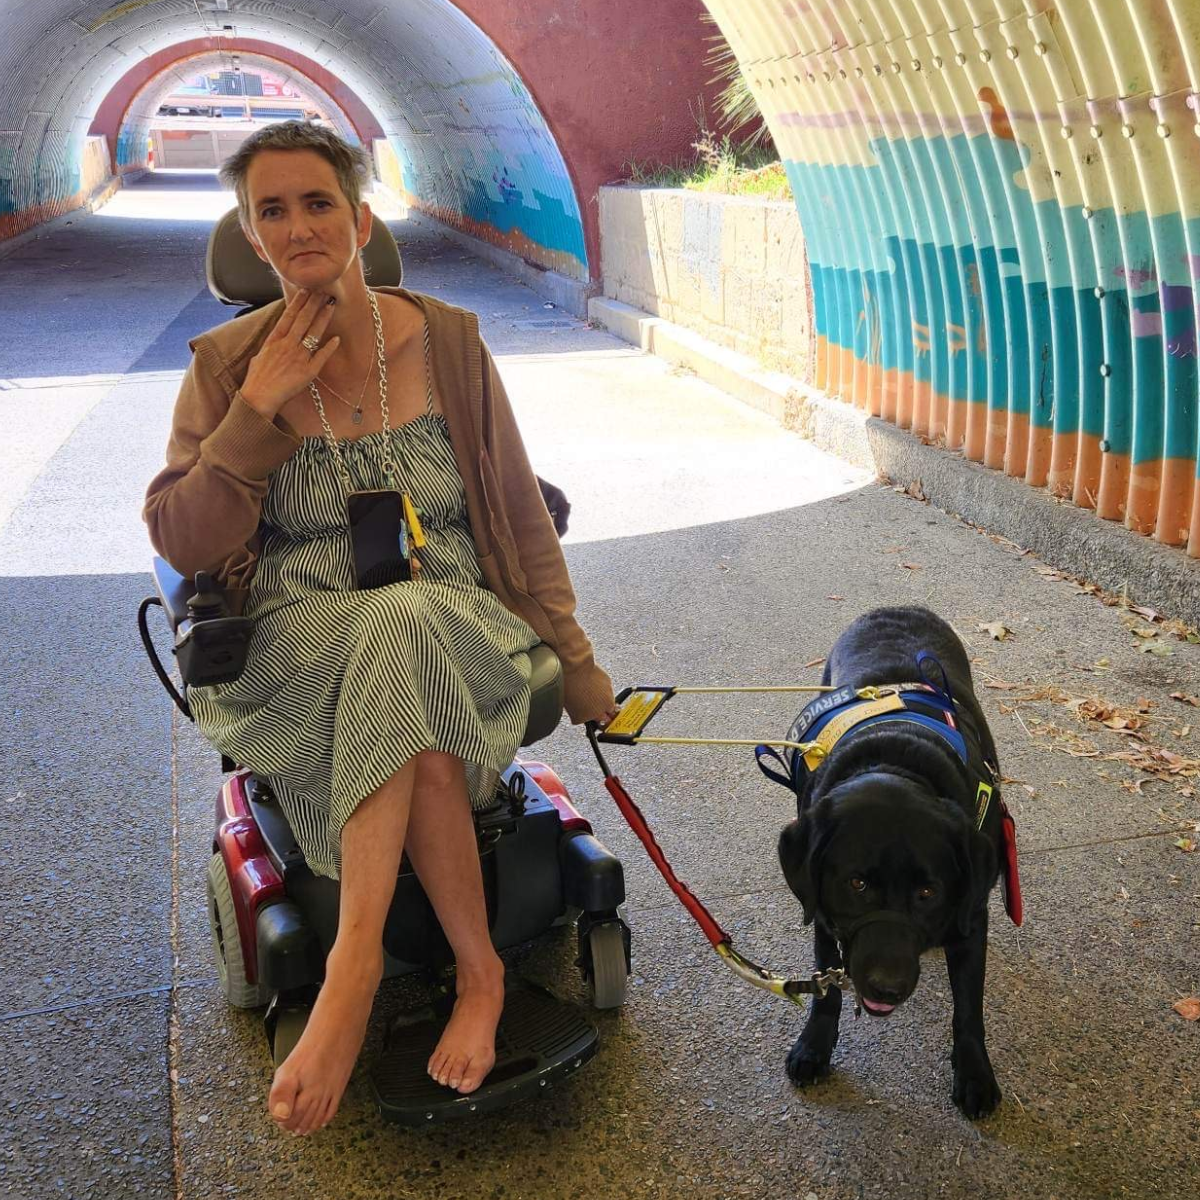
{"x": 471, "y": 144}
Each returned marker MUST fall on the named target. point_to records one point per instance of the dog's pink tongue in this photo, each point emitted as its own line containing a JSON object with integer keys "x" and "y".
{"x": 876, "y": 1007}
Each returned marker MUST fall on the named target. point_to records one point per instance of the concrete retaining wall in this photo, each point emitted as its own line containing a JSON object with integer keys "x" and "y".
{"x": 732, "y": 268}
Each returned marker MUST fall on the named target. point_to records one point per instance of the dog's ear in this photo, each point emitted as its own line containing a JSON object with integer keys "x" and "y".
{"x": 977, "y": 867}
{"x": 797, "y": 858}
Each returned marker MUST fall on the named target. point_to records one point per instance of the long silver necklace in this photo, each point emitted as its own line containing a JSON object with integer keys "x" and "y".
{"x": 414, "y": 535}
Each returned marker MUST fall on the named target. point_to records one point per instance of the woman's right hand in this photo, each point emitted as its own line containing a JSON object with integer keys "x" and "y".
{"x": 284, "y": 365}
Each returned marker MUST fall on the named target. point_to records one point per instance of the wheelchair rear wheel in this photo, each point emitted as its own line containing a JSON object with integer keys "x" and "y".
{"x": 227, "y": 943}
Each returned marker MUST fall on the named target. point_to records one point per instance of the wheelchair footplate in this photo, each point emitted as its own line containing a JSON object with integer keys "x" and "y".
{"x": 539, "y": 1041}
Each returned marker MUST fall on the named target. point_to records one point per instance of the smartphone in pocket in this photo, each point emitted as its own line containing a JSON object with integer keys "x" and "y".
{"x": 377, "y": 535}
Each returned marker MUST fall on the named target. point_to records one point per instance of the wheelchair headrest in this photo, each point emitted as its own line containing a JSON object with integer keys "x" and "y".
{"x": 236, "y": 275}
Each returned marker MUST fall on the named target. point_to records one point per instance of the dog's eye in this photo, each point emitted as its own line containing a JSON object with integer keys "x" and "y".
{"x": 925, "y": 893}
{"x": 859, "y": 885}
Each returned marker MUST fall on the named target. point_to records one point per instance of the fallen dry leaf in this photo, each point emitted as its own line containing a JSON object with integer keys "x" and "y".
{"x": 1143, "y": 633}
{"x": 816, "y": 662}
{"x": 1186, "y": 844}
{"x": 1188, "y": 1009}
{"x": 914, "y": 490}
{"x": 1194, "y": 701}
{"x": 835, "y": 597}
{"x": 1155, "y": 647}
{"x": 911, "y": 566}
{"x": 998, "y": 630}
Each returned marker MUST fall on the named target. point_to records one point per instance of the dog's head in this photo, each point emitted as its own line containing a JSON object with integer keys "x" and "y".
{"x": 893, "y": 870}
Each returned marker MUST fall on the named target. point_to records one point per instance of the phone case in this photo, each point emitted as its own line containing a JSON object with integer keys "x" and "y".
{"x": 377, "y": 539}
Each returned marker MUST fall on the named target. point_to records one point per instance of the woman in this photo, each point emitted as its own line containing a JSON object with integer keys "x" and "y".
{"x": 378, "y": 715}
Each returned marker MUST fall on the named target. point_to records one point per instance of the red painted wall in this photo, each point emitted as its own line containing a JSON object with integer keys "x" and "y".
{"x": 613, "y": 81}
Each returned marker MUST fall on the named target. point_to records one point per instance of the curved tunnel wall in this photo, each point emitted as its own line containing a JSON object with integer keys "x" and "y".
{"x": 125, "y": 112}
{"x": 1001, "y": 204}
{"x": 505, "y": 116}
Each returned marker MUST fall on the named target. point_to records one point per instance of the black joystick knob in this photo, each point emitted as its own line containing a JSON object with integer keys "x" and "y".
{"x": 208, "y": 602}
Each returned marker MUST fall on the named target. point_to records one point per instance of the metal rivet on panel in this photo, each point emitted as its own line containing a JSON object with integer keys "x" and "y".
{"x": 1067, "y": 131}
{"x": 960, "y": 58}
{"x": 937, "y": 61}
{"x": 811, "y": 77}
{"x": 828, "y": 76}
{"x": 1013, "y": 52}
{"x": 895, "y": 68}
{"x": 877, "y": 69}
{"x": 985, "y": 56}
{"x": 1039, "y": 48}
{"x": 916, "y": 64}
{"x": 1097, "y": 132}
{"x": 1087, "y": 212}
{"x": 1105, "y": 445}
{"x": 842, "y": 73}
{"x": 1105, "y": 370}
{"x": 1164, "y": 131}
{"x": 1127, "y": 131}
{"x": 1099, "y": 293}
{"x": 858, "y": 71}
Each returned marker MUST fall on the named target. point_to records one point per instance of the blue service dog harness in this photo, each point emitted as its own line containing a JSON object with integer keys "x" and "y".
{"x": 930, "y": 704}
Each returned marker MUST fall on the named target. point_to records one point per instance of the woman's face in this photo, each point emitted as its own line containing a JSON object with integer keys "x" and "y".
{"x": 300, "y": 220}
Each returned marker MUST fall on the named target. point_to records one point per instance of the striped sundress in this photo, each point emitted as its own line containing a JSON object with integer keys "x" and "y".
{"x": 342, "y": 687}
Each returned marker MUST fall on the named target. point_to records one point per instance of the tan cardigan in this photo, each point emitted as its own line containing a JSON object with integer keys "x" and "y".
{"x": 203, "y": 508}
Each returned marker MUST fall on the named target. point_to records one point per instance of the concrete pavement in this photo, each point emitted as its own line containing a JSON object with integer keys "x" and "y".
{"x": 706, "y": 546}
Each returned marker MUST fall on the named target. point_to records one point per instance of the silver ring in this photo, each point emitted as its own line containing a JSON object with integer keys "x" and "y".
{"x": 311, "y": 343}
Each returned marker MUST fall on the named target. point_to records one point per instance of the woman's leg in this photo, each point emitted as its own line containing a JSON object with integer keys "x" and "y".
{"x": 308, "y": 1086}
{"x": 441, "y": 845}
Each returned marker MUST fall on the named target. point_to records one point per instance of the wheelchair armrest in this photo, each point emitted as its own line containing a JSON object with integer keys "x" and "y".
{"x": 545, "y": 694}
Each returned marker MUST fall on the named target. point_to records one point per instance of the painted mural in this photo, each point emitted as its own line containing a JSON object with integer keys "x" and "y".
{"x": 1003, "y": 223}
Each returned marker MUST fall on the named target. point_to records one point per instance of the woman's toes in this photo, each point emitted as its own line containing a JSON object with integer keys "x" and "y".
{"x": 282, "y": 1101}
{"x": 474, "y": 1074}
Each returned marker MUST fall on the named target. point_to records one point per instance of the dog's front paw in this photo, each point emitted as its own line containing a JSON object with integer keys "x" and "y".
{"x": 808, "y": 1059}
{"x": 975, "y": 1092}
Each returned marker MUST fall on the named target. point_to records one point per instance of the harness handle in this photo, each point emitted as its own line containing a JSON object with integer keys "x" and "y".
{"x": 761, "y": 752}
{"x": 925, "y": 658}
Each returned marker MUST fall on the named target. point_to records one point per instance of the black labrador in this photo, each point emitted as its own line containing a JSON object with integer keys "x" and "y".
{"x": 886, "y": 856}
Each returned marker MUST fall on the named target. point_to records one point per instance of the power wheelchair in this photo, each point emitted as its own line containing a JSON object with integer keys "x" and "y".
{"x": 273, "y": 920}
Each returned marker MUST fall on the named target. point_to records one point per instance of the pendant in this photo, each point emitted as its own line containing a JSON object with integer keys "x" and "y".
{"x": 356, "y": 416}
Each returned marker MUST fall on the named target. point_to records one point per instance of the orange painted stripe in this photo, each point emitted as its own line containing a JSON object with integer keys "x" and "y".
{"x": 1193, "y": 546}
{"x": 956, "y": 423}
{"x": 1114, "y": 486}
{"x": 1065, "y": 449}
{"x": 1175, "y": 500}
{"x": 1016, "y": 445}
{"x": 995, "y": 439}
{"x": 1039, "y": 456}
{"x": 1086, "y": 492}
{"x": 1141, "y": 504}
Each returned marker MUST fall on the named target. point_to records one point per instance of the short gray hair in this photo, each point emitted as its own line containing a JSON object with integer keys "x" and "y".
{"x": 351, "y": 164}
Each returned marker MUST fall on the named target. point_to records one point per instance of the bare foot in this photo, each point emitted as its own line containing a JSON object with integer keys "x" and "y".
{"x": 308, "y": 1086}
{"x": 467, "y": 1049}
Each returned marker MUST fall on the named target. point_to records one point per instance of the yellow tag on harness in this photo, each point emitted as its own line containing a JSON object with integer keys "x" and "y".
{"x": 844, "y": 722}
{"x": 414, "y": 523}
{"x": 983, "y": 797}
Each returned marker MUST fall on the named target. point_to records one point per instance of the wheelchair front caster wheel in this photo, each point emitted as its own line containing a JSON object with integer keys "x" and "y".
{"x": 605, "y": 963}
{"x": 227, "y": 943}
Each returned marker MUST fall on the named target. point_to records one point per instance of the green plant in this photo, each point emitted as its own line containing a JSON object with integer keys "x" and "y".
{"x": 739, "y": 110}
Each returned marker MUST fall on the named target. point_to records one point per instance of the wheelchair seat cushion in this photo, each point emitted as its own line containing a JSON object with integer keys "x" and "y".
{"x": 341, "y": 687}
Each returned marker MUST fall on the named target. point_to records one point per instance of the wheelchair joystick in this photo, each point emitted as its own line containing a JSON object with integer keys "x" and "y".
{"x": 210, "y": 645}
{"x": 208, "y": 602}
